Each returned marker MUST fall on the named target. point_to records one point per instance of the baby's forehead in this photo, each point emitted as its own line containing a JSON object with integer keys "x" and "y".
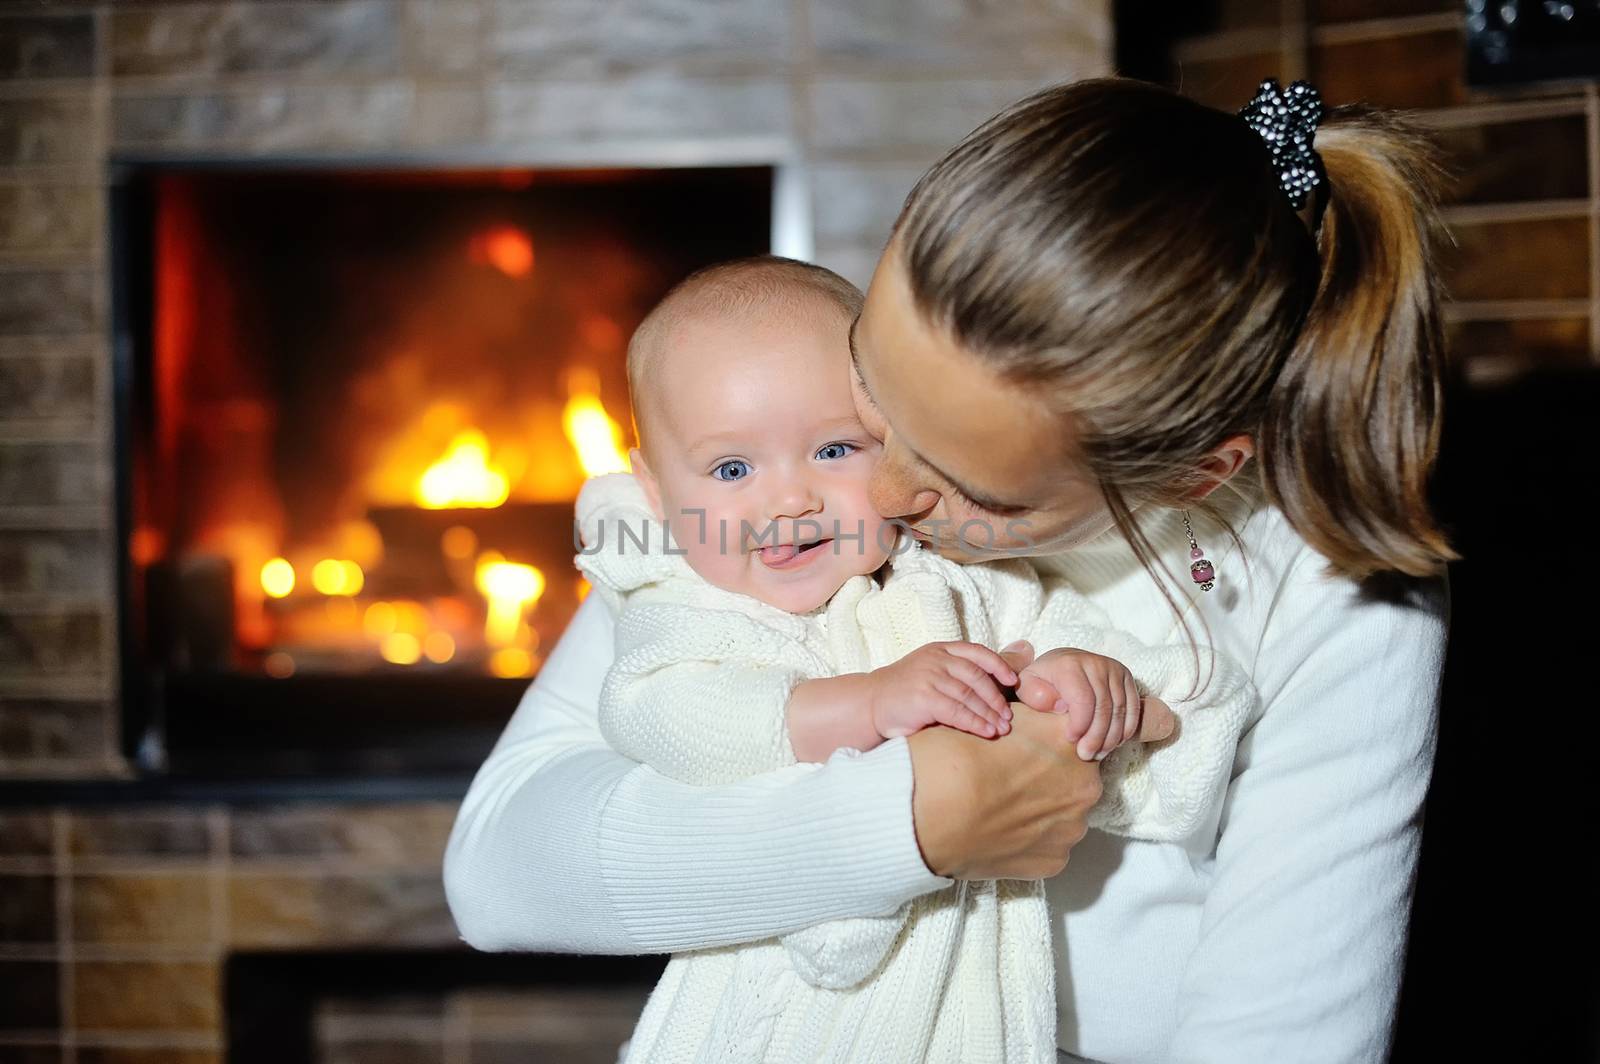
{"x": 705, "y": 339}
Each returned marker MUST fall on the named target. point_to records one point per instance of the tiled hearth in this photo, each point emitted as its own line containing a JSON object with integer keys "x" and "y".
{"x": 121, "y": 929}
{"x": 120, "y": 915}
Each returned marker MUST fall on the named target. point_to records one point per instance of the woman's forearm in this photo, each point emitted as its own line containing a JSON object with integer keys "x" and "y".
{"x": 564, "y": 845}
{"x": 594, "y": 854}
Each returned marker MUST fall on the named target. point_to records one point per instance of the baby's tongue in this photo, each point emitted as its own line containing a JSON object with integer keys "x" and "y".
{"x": 780, "y": 553}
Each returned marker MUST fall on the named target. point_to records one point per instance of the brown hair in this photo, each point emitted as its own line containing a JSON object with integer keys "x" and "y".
{"x": 756, "y": 285}
{"x": 1132, "y": 249}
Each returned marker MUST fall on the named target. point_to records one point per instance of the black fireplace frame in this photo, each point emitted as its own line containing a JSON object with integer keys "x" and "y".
{"x": 270, "y": 738}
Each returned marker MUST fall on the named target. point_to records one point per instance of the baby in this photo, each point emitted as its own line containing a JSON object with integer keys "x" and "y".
{"x": 767, "y": 615}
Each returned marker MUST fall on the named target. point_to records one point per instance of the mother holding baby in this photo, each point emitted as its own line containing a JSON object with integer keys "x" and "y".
{"x": 1113, "y": 330}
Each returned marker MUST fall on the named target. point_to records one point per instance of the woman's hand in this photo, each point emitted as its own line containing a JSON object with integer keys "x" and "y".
{"x": 1005, "y": 808}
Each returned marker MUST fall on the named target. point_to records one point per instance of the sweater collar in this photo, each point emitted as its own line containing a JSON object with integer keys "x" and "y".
{"x": 1108, "y": 561}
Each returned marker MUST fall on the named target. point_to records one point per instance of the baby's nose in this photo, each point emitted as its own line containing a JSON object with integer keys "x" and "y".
{"x": 798, "y": 497}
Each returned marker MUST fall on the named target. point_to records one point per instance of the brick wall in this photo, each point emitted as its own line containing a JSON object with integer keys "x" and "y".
{"x": 1524, "y": 205}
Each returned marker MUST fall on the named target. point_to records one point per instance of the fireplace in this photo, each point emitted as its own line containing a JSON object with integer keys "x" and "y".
{"x": 355, "y": 405}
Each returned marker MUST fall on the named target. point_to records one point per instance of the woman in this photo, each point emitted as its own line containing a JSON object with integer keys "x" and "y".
{"x": 1095, "y": 312}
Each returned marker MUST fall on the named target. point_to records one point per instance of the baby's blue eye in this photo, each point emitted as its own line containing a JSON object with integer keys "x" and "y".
{"x": 831, "y": 451}
{"x": 731, "y": 470}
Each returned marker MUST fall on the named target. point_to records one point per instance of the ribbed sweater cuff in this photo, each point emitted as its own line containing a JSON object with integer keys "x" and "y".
{"x": 693, "y": 867}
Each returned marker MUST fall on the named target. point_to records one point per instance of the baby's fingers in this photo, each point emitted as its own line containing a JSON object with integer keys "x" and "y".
{"x": 987, "y": 660}
{"x": 962, "y": 717}
{"x": 1113, "y": 677}
{"x": 1093, "y": 744}
{"x": 961, "y": 707}
{"x": 1077, "y": 702}
{"x": 982, "y": 684}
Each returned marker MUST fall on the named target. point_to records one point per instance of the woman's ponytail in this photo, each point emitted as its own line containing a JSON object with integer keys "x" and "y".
{"x": 1351, "y": 427}
{"x": 1131, "y": 255}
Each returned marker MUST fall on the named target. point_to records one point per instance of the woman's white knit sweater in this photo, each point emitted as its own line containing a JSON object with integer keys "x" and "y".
{"x": 1275, "y": 931}
{"x": 698, "y": 691}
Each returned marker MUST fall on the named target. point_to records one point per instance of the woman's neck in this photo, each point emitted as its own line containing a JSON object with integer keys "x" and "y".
{"x": 1109, "y": 559}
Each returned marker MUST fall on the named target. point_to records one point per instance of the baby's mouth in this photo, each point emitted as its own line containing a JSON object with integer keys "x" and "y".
{"x": 784, "y": 555}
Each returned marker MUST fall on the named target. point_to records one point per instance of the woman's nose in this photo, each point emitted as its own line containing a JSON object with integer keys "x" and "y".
{"x": 896, "y": 491}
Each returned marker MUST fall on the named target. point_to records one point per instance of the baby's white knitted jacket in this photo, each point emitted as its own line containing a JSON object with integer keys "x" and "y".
{"x": 698, "y": 691}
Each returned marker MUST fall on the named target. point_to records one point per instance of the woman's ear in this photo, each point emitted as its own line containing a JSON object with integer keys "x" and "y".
{"x": 647, "y": 480}
{"x": 1218, "y": 467}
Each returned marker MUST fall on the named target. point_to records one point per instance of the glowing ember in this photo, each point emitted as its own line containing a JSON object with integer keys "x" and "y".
{"x": 596, "y": 438}
{"x": 277, "y": 578}
{"x": 333, "y": 576}
{"x": 400, "y": 648}
{"x": 510, "y": 662}
{"x": 510, "y": 588}
{"x": 463, "y": 477}
{"x": 459, "y": 542}
{"x": 379, "y": 620}
{"x": 439, "y": 647}
{"x": 506, "y": 248}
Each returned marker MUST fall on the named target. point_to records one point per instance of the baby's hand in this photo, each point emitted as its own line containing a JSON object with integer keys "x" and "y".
{"x": 943, "y": 683}
{"x": 1099, "y": 696}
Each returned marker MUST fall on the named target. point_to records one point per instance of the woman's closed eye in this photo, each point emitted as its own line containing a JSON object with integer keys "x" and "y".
{"x": 986, "y": 508}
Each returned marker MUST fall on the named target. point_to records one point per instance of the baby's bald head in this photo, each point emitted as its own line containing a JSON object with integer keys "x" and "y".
{"x": 763, "y": 288}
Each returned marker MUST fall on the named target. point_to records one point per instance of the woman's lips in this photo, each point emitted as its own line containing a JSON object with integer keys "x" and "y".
{"x": 790, "y": 555}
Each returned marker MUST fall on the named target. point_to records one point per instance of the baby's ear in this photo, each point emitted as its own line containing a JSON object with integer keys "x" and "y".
{"x": 647, "y": 480}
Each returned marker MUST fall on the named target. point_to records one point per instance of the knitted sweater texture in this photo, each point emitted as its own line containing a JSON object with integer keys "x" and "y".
{"x": 698, "y": 691}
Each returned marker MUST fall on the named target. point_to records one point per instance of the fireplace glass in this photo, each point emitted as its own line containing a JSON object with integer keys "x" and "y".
{"x": 355, "y": 407}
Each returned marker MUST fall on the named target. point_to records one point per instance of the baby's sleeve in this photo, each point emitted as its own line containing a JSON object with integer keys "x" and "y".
{"x": 699, "y": 694}
{"x": 1158, "y": 791}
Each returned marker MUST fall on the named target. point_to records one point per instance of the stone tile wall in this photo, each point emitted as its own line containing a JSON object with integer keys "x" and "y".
{"x": 865, "y": 94}
{"x": 1524, "y": 205}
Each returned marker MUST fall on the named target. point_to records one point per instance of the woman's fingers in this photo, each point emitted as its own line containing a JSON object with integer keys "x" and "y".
{"x": 1159, "y": 720}
{"x": 1000, "y": 810}
{"x": 1035, "y": 692}
{"x": 1019, "y": 655}
{"x": 1130, "y": 726}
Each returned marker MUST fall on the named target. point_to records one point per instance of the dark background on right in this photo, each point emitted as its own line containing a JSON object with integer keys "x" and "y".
{"x": 1503, "y": 952}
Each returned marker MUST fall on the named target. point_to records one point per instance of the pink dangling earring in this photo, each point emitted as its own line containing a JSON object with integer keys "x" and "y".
{"x": 1203, "y": 572}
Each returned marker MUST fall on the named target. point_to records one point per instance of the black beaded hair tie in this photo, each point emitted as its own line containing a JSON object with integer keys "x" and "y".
{"x": 1286, "y": 119}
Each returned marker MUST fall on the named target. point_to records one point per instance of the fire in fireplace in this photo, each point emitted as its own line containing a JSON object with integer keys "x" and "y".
{"x": 355, "y": 407}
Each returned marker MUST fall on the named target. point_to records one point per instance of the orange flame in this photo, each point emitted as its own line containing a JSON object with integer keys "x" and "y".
{"x": 510, "y": 588}
{"x": 506, "y": 248}
{"x": 594, "y": 435}
{"x": 463, "y": 477}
